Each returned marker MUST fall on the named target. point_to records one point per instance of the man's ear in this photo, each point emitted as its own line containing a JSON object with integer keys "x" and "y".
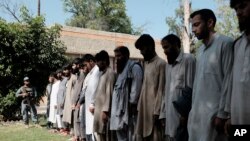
{"x": 210, "y": 23}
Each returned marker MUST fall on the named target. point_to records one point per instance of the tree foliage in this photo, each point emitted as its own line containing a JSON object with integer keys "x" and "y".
{"x": 106, "y": 15}
{"x": 227, "y": 20}
{"x": 27, "y": 48}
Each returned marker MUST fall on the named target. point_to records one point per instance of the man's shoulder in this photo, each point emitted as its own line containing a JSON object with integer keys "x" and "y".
{"x": 225, "y": 38}
{"x": 188, "y": 56}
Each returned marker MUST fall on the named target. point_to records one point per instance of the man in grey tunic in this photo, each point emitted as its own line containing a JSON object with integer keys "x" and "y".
{"x": 238, "y": 100}
{"x": 125, "y": 95}
{"x": 206, "y": 118}
{"x": 61, "y": 94}
{"x": 180, "y": 73}
{"x": 75, "y": 98}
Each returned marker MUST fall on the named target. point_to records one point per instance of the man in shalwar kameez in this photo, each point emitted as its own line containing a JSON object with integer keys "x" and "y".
{"x": 103, "y": 97}
{"x": 180, "y": 73}
{"x": 89, "y": 89}
{"x": 149, "y": 105}
{"x": 125, "y": 95}
{"x": 214, "y": 59}
{"x": 238, "y": 101}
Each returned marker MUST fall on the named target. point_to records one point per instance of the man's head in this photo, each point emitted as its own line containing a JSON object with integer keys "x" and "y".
{"x": 67, "y": 70}
{"x": 102, "y": 60}
{"x": 83, "y": 68}
{"x": 51, "y": 78}
{"x": 242, "y": 9}
{"x": 121, "y": 56}
{"x": 146, "y": 44}
{"x": 89, "y": 61}
{"x": 203, "y": 22}
{"x": 26, "y": 81}
{"x": 59, "y": 74}
{"x": 75, "y": 65}
{"x": 171, "y": 45}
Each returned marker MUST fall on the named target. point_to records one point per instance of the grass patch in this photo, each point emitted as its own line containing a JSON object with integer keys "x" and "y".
{"x": 18, "y": 132}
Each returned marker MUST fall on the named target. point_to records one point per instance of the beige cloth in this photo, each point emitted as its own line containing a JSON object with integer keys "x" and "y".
{"x": 67, "y": 111}
{"x": 103, "y": 99}
{"x": 151, "y": 95}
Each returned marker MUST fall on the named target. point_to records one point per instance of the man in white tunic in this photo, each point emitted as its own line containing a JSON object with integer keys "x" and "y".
{"x": 89, "y": 88}
{"x": 53, "y": 100}
{"x": 180, "y": 73}
{"x": 238, "y": 102}
{"x": 206, "y": 118}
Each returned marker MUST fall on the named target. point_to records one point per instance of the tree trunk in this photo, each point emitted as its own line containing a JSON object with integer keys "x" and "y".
{"x": 186, "y": 32}
{"x": 38, "y": 8}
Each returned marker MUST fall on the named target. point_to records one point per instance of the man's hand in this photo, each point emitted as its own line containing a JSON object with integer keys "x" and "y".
{"x": 78, "y": 106}
{"x": 91, "y": 109}
{"x": 105, "y": 117}
{"x": 73, "y": 107}
{"x": 25, "y": 94}
{"x": 219, "y": 124}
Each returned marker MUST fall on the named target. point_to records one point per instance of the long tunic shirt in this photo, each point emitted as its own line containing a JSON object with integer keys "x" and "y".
{"x": 239, "y": 100}
{"x": 67, "y": 111}
{"x": 178, "y": 76}
{"x": 53, "y": 102}
{"x": 122, "y": 96}
{"x": 149, "y": 103}
{"x": 213, "y": 63}
{"x": 103, "y": 98}
{"x": 61, "y": 95}
{"x": 89, "y": 89}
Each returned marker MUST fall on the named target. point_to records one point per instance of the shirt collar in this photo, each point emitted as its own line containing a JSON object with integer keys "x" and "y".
{"x": 179, "y": 58}
{"x": 154, "y": 58}
{"x": 210, "y": 42}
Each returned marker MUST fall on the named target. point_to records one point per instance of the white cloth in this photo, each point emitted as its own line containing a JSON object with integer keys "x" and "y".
{"x": 53, "y": 102}
{"x": 89, "y": 86}
{"x": 213, "y": 63}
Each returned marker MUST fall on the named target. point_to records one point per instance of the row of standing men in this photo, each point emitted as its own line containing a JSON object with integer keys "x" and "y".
{"x": 184, "y": 99}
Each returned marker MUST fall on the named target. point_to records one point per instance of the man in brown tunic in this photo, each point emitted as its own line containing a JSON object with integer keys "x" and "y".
{"x": 103, "y": 97}
{"x": 148, "y": 124}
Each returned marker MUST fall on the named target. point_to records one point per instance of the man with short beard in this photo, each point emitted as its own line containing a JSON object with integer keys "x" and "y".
{"x": 214, "y": 60}
{"x": 103, "y": 97}
{"x": 125, "y": 95}
{"x": 238, "y": 100}
{"x": 148, "y": 124}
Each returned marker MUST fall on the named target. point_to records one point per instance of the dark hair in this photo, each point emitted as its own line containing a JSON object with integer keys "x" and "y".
{"x": 172, "y": 39}
{"x": 88, "y": 58}
{"x": 76, "y": 61}
{"x": 233, "y": 3}
{"x": 67, "y": 67}
{"x": 123, "y": 50}
{"x": 102, "y": 55}
{"x": 145, "y": 40}
{"x": 205, "y": 14}
{"x": 59, "y": 71}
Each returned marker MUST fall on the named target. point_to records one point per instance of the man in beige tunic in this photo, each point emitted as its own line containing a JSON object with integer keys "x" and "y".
{"x": 67, "y": 111}
{"x": 103, "y": 97}
{"x": 148, "y": 123}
